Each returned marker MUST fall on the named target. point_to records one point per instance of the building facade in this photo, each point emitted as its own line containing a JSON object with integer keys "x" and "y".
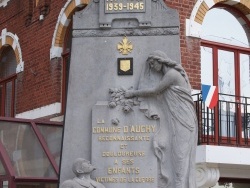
{"x": 35, "y": 43}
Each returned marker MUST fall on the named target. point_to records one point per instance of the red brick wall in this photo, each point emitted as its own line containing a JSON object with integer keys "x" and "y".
{"x": 40, "y": 82}
{"x": 190, "y": 47}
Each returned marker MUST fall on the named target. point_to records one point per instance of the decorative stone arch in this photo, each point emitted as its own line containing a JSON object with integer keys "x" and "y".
{"x": 194, "y": 23}
{"x": 7, "y": 38}
{"x": 63, "y": 21}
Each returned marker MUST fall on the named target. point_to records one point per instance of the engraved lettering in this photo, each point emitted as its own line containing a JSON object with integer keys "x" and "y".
{"x": 123, "y": 170}
{"x": 123, "y": 180}
{"x": 116, "y": 6}
{"x": 141, "y": 6}
{"x": 127, "y": 161}
{"x": 139, "y": 129}
{"x": 123, "y": 154}
{"x": 136, "y": 6}
{"x": 120, "y": 6}
{"x": 123, "y": 146}
{"x": 141, "y": 180}
{"x": 124, "y": 6}
{"x": 125, "y": 129}
{"x": 99, "y": 130}
{"x": 110, "y": 6}
{"x": 123, "y": 138}
{"x": 107, "y": 179}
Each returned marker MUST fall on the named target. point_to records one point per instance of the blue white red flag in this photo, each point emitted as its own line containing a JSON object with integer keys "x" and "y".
{"x": 209, "y": 95}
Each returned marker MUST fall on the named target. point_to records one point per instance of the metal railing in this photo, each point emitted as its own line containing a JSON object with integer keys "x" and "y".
{"x": 228, "y": 123}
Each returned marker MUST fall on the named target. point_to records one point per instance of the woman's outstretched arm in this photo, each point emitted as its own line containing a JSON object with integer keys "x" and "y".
{"x": 166, "y": 81}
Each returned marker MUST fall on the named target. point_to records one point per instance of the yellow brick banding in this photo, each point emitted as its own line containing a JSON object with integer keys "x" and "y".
{"x": 59, "y": 34}
{"x": 217, "y": 1}
{"x": 9, "y": 40}
{"x": 71, "y": 6}
{"x": 85, "y": 2}
{"x": 201, "y": 12}
{"x": 17, "y": 56}
{"x": 204, "y": 7}
{"x": 61, "y": 30}
{"x": 243, "y": 6}
{"x": 245, "y": 2}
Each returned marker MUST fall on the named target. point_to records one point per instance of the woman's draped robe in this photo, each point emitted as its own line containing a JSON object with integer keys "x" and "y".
{"x": 176, "y": 138}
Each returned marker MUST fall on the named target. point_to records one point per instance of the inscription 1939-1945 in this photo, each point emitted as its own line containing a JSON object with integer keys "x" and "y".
{"x": 124, "y": 6}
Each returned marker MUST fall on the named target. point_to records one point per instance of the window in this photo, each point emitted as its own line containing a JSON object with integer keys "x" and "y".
{"x": 225, "y": 63}
{"x": 29, "y": 153}
{"x": 7, "y": 82}
{"x": 66, "y": 64}
{"x": 224, "y": 53}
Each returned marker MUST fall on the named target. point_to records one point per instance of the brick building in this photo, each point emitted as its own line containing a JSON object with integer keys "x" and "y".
{"x": 35, "y": 40}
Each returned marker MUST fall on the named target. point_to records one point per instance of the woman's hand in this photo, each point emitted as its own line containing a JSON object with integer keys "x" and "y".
{"x": 129, "y": 94}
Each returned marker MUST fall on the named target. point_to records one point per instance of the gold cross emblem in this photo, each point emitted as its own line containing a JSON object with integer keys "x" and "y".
{"x": 125, "y": 47}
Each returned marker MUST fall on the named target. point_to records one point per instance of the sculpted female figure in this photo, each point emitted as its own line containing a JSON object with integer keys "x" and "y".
{"x": 165, "y": 93}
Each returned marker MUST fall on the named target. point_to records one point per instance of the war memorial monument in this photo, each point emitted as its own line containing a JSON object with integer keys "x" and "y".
{"x": 130, "y": 120}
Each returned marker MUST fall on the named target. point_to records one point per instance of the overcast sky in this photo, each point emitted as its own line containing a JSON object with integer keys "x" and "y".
{"x": 222, "y": 26}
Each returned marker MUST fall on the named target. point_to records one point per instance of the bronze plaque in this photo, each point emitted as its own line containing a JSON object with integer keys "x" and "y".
{"x": 125, "y": 66}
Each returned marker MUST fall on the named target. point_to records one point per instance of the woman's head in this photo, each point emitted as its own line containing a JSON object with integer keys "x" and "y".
{"x": 155, "y": 64}
{"x": 158, "y": 55}
{"x": 161, "y": 58}
{"x": 158, "y": 59}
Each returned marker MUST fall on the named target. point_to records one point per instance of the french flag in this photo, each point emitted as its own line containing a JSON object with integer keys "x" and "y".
{"x": 209, "y": 95}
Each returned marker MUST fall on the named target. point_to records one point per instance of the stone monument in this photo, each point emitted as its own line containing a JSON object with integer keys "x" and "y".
{"x": 119, "y": 128}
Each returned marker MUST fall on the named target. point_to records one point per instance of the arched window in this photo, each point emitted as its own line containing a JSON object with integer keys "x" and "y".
{"x": 66, "y": 64}
{"x": 67, "y": 42}
{"x": 224, "y": 53}
{"x": 8, "y": 65}
{"x": 225, "y": 63}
